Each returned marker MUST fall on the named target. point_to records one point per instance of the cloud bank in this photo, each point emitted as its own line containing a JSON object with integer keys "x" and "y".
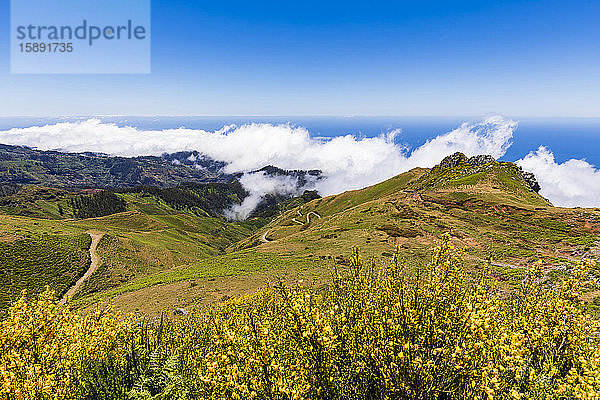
{"x": 347, "y": 162}
{"x": 259, "y": 184}
{"x": 574, "y": 183}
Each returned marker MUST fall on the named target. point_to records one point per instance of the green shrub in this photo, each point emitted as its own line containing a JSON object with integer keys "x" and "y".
{"x": 369, "y": 334}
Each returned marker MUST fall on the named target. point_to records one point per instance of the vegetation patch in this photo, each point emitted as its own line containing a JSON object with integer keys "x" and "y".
{"x": 368, "y": 334}
{"x": 33, "y": 263}
{"x": 97, "y": 205}
{"x": 395, "y": 231}
{"x": 237, "y": 263}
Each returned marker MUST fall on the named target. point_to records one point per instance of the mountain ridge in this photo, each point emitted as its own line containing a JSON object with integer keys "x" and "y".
{"x": 23, "y": 165}
{"x": 176, "y": 241}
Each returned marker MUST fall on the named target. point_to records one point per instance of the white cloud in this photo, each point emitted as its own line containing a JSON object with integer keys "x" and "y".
{"x": 490, "y": 136}
{"x": 258, "y": 184}
{"x": 347, "y": 162}
{"x": 570, "y": 184}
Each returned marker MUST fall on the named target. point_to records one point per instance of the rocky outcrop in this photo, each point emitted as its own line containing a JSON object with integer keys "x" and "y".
{"x": 482, "y": 159}
{"x": 530, "y": 181}
{"x": 460, "y": 160}
{"x": 453, "y": 160}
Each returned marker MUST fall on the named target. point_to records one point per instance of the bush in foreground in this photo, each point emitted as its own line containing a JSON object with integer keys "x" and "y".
{"x": 377, "y": 334}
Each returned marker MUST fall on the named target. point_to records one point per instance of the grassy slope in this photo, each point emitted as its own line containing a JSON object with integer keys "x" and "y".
{"x": 35, "y": 201}
{"x": 489, "y": 209}
{"x": 30, "y": 260}
{"x": 149, "y": 251}
{"x": 164, "y": 246}
{"x": 148, "y": 238}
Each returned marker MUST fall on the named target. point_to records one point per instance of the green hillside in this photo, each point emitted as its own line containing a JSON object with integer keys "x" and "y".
{"x": 490, "y": 209}
{"x": 171, "y": 248}
{"x": 40, "y": 247}
{"x": 23, "y": 165}
{"x": 32, "y": 261}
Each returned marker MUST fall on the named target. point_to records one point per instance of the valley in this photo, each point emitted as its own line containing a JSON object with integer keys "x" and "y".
{"x": 172, "y": 248}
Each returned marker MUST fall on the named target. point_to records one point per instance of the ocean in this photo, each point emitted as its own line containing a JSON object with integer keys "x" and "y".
{"x": 567, "y": 138}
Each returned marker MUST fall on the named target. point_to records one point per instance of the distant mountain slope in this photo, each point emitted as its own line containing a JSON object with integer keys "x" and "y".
{"x": 303, "y": 177}
{"x": 492, "y": 208}
{"x": 151, "y": 236}
{"x": 22, "y": 165}
{"x": 186, "y": 179}
{"x": 175, "y": 241}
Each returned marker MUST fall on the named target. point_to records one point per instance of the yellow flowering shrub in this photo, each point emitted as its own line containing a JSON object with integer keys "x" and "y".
{"x": 373, "y": 333}
{"x": 43, "y": 347}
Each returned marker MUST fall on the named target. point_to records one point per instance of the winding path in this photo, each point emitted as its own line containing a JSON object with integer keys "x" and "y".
{"x": 95, "y": 260}
{"x": 307, "y": 217}
{"x": 263, "y": 238}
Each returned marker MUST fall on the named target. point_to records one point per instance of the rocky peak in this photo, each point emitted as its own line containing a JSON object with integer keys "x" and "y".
{"x": 481, "y": 159}
{"x": 460, "y": 160}
{"x": 453, "y": 160}
{"x": 530, "y": 181}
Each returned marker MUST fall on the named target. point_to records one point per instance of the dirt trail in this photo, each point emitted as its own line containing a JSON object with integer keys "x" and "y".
{"x": 313, "y": 213}
{"x": 96, "y": 236}
{"x": 307, "y": 217}
{"x": 263, "y": 238}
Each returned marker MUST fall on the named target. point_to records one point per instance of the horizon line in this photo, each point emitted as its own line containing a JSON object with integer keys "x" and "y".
{"x": 296, "y": 116}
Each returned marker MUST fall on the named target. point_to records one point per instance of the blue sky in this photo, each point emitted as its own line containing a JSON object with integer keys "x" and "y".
{"x": 421, "y": 58}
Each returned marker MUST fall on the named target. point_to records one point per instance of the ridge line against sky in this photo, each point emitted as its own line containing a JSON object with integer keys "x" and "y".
{"x": 513, "y": 57}
{"x": 300, "y": 116}
{"x": 348, "y": 161}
